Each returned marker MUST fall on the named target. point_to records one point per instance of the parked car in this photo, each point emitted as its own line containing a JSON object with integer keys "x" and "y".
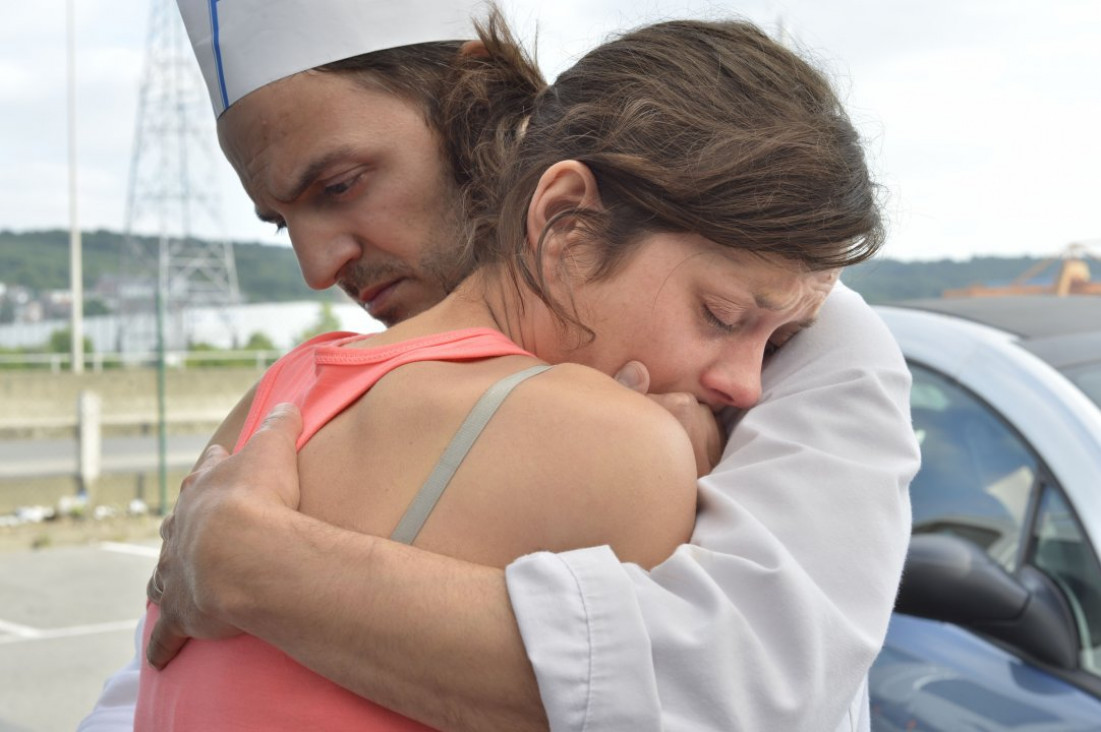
{"x": 998, "y": 621}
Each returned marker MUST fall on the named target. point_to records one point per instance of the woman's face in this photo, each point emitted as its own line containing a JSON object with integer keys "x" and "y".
{"x": 702, "y": 318}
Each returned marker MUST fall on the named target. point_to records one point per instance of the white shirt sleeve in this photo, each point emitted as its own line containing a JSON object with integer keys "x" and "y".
{"x": 772, "y": 616}
{"x": 114, "y": 710}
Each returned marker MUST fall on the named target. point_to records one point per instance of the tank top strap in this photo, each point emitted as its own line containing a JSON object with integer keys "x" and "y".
{"x": 429, "y": 494}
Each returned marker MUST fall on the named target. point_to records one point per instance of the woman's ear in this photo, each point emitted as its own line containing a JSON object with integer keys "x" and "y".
{"x": 568, "y": 185}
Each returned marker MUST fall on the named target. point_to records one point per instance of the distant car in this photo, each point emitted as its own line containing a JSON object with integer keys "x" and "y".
{"x": 998, "y": 621}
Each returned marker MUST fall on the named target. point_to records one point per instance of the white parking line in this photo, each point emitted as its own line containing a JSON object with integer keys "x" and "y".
{"x": 135, "y": 549}
{"x": 23, "y": 633}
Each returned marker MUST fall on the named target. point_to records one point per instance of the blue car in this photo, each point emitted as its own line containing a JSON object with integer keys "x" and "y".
{"x": 998, "y": 620}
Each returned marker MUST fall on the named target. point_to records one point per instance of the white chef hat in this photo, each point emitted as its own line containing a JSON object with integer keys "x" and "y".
{"x": 242, "y": 45}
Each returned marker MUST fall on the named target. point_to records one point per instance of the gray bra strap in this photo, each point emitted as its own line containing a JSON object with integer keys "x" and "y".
{"x": 426, "y": 498}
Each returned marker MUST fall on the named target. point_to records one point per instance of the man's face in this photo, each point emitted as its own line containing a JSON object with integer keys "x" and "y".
{"x": 358, "y": 179}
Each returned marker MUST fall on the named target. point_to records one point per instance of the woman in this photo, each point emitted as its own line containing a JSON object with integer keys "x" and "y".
{"x": 684, "y": 196}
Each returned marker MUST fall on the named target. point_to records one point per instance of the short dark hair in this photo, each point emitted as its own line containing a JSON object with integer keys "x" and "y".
{"x": 474, "y": 101}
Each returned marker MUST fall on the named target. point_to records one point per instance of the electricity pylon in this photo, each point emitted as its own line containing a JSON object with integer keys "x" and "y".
{"x": 172, "y": 197}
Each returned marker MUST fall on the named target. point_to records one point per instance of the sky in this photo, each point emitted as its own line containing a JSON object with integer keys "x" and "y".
{"x": 981, "y": 117}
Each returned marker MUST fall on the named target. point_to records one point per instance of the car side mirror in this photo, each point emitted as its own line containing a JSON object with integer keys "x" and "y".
{"x": 950, "y": 579}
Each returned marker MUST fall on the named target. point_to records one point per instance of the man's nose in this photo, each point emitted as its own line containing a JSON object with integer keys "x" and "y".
{"x": 322, "y": 251}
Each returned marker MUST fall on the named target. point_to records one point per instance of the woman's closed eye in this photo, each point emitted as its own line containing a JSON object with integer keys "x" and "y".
{"x": 720, "y": 321}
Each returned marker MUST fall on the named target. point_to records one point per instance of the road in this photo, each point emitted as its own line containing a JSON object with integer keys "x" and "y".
{"x": 67, "y": 618}
{"x": 46, "y": 458}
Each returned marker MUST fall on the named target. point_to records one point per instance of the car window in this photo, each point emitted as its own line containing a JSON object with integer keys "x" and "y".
{"x": 976, "y": 476}
{"x": 1061, "y": 549}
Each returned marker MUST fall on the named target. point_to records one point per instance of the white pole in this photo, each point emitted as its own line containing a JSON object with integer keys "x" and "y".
{"x": 76, "y": 268}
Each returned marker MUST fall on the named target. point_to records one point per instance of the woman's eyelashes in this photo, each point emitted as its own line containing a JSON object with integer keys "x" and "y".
{"x": 723, "y": 325}
{"x": 723, "y": 319}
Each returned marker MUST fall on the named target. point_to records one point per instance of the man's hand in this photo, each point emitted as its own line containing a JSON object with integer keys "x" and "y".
{"x": 217, "y": 500}
{"x": 703, "y": 428}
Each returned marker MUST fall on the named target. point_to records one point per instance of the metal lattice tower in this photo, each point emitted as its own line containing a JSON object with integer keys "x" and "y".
{"x": 172, "y": 199}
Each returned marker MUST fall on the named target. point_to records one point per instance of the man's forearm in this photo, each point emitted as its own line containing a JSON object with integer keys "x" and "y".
{"x": 428, "y": 636}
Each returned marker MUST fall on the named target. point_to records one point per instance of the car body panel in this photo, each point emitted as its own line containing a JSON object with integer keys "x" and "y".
{"x": 934, "y": 675}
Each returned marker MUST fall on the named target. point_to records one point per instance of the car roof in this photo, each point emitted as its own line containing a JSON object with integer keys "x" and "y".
{"x": 1064, "y": 331}
{"x": 1027, "y": 316}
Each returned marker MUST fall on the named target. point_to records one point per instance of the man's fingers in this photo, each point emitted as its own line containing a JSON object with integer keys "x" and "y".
{"x": 634, "y": 376}
{"x": 164, "y": 644}
{"x": 280, "y": 428}
{"x": 166, "y": 527}
{"x": 270, "y": 457}
{"x": 154, "y": 589}
{"x": 212, "y": 455}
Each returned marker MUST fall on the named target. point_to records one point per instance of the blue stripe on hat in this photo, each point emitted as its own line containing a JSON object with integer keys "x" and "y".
{"x": 218, "y": 53}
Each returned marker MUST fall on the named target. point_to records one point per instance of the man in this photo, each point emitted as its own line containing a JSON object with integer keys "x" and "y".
{"x": 769, "y": 620}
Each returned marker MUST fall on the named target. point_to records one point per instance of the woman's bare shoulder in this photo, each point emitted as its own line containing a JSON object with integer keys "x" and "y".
{"x": 606, "y": 462}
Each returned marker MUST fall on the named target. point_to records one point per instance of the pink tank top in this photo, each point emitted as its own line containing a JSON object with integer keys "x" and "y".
{"x": 244, "y": 683}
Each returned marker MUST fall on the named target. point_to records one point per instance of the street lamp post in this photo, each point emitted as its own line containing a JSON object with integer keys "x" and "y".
{"x": 76, "y": 267}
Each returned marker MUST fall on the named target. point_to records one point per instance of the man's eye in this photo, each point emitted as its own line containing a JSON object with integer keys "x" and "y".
{"x": 341, "y": 187}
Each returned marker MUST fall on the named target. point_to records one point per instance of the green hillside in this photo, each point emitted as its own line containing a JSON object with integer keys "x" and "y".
{"x": 40, "y": 260}
{"x": 889, "y": 280}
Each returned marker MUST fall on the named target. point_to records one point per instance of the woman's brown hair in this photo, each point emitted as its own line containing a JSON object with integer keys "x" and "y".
{"x": 710, "y": 128}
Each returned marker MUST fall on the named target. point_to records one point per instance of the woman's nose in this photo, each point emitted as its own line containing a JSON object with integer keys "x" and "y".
{"x": 735, "y": 380}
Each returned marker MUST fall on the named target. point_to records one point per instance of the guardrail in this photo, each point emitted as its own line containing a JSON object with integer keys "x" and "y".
{"x": 144, "y": 421}
{"x": 85, "y": 455}
{"x": 96, "y": 362}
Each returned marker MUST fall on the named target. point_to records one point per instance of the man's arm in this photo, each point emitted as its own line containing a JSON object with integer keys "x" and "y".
{"x": 771, "y": 619}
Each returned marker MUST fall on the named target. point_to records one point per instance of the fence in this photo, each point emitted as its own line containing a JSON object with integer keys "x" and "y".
{"x": 97, "y": 362}
{"x": 46, "y": 453}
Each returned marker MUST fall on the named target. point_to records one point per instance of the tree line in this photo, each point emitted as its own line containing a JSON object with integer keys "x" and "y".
{"x": 39, "y": 260}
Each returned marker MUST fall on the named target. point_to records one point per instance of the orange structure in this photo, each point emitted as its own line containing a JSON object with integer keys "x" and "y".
{"x": 1072, "y": 278}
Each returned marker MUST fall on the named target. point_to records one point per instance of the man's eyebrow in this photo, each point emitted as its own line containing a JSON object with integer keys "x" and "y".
{"x": 312, "y": 171}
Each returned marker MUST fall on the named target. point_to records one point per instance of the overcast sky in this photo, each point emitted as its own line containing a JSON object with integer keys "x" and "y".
{"x": 982, "y": 116}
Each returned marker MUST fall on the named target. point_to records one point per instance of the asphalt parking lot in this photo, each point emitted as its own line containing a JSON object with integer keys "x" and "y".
{"x": 67, "y": 618}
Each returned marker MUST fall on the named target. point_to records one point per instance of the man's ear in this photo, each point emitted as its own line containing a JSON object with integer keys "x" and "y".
{"x": 568, "y": 185}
